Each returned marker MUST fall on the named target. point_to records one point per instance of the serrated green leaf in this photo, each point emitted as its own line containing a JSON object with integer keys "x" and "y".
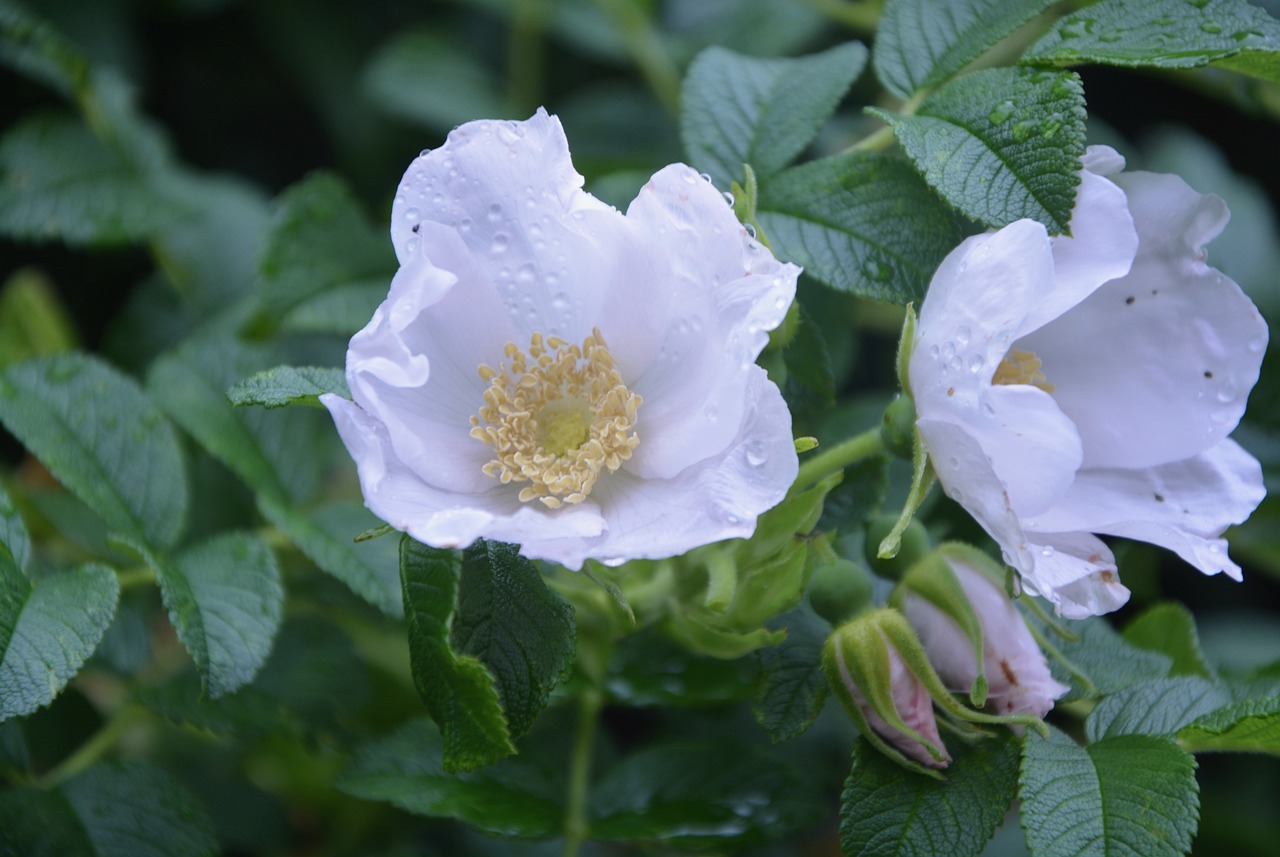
{"x": 647, "y": 669}
{"x": 1170, "y": 629}
{"x": 1128, "y": 794}
{"x": 701, "y": 796}
{"x": 289, "y": 385}
{"x": 860, "y": 222}
{"x": 1159, "y": 707}
{"x": 225, "y": 600}
{"x": 326, "y": 536}
{"x": 887, "y": 809}
{"x": 512, "y": 623}
{"x": 1001, "y": 144}
{"x": 1251, "y": 726}
{"x": 13, "y": 532}
{"x": 460, "y": 693}
{"x": 1233, "y": 34}
{"x": 102, "y": 438}
{"x": 407, "y": 768}
{"x": 395, "y": 74}
{"x": 746, "y": 110}
{"x": 48, "y": 631}
{"x": 36, "y": 50}
{"x": 1104, "y": 656}
{"x": 274, "y": 452}
{"x": 792, "y": 687}
{"x": 921, "y": 43}
{"x": 318, "y": 239}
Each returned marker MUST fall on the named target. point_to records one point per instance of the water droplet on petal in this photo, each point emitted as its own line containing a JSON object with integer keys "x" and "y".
{"x": 411, "y": 215}
{"x": 757, "y": 455}
{"x": 1046, "y": 551}
{"x": 495, "y": 213}
{"x": 976, "y": 363}
{"x": 424, "y": 153}
{"x": 499, "y": 244}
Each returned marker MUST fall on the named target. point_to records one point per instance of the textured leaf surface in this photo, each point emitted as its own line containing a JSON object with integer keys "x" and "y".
{"x": 288, "y": 385}
{"x": 792, "y": 686}
{"x": 225, "y": 600}
{"x": 861, "y": 222}
{"x": 921, "y": 43}
{"x": 459, "y": 692}
{"x": 886, "y": 809}
{"x": 100, "y": 435}
{"x": 1252, "y": 726}
{"x": 1166, "y": 34}
{"x": 1128, "y": 794}
{"x": 1159, "y": 707}
{"x": 1104, "y": 656}
{"x": 1001, "y": 144}
{"x": 48, "y": 631}
{"x": 1171, "y": 630}
{"x": 763, "y": 112}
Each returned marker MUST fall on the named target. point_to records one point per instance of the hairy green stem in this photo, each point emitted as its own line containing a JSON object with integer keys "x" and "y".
{"x": 838, "y": 457}
{"x": 98, "y": 745}
{"x": 576, "y": 825}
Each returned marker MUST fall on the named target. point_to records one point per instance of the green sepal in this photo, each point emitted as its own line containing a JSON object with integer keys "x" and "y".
{"x": 922, "y": 474}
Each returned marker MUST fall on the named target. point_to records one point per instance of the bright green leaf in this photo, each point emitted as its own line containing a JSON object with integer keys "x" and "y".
{"x": 1233, "y": 34}
{"x": 745, "y": 110}
{"x": 101, "y": 437}
{"x": 792, "y": 687}
{"x": 921, "y": 43}
{"x": 1252, "y": 726}
{"x": 459, "y": 692}
{"x": 398, "y": 78}
{"x": 860, "y": 222}
{"x": 1158, "y": 707}
{"x": 288, "y": 385}
{"x": 1128, "y": 794}
{"x": 48, "y": 631}
{"x": 1001, "y": 144}
{"x": 1170, "y": 629}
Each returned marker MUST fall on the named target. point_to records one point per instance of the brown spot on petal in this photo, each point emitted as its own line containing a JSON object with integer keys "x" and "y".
{"x": 1009, "y": 675}
{"x": 951, "y": 391}
{"x": 1106, "y": 577}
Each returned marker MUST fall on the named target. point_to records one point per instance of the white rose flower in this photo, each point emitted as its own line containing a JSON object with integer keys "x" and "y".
{"x": 551, "y": 372}
{"x": 1087, "y": 384}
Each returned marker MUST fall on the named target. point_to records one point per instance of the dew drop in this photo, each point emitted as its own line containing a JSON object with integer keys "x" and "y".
{"x": 962, "y": 335}
{"x": 1258, "y": 344}
{"x": 751, "y": 230}
{"x": 424, "y": 153}
{"x": 560, "y": 302}
{"x": 411, "y": 215}
{"x": 949, "y": 350}
{"x": 757, "y": 455}
{"x": 495, "y": 213}
{"x": 464, "y": 225}
{"x": 526, "y": 273}
{"x": 711, "y": 412}
{"x": 976, "y": 362}
{"x": 1046, "y": 551}
{"x": 933, "y": 351}
{"x": 706, "y": 177}
{"x": 499, "y": 244}
{"x": 728, "y": 197}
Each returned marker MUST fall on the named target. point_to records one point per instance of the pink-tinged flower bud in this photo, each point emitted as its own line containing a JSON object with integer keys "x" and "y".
{"x": 975, "y": 638}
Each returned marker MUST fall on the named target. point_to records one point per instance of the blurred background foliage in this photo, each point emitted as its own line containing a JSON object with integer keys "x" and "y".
{"x": 245, "y": 117}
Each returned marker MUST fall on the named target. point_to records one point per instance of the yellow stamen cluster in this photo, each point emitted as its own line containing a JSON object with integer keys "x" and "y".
{"x": 1022, "y": 367}
{"x": 556, "y": 417}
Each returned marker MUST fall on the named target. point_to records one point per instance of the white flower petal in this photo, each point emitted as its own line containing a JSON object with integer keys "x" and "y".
{"x": 1076, "y": 572}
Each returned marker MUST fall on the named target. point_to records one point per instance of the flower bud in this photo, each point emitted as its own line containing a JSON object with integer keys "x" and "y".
{"x": 975, "y": 638}
{"x": 913, "y": 545}
{"x": 898, "y": 427}
{"x": 839, "y": 590}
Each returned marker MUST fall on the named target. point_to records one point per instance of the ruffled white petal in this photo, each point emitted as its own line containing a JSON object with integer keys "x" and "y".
{"x": 1076, "y": 572}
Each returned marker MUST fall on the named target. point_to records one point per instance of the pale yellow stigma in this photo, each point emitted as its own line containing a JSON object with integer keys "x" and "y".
{"x": 556, "y": 417}
{"x": 1022, "y": 367}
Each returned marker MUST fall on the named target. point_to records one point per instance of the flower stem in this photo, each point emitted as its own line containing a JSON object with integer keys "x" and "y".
{"x": 98, "y": 745}
{"x": 524, "y": 55}
{"x": 837, "y": 458}
{"x": 576, "y": 826}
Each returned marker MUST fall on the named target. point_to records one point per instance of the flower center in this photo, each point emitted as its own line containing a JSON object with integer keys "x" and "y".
{"x": 1022, "y": 367}
{"x": 556, "y": 416}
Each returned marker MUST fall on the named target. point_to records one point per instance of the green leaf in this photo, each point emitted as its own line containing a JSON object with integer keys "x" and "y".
{"x": 326, "y": 536}
{"x": 921, "y": 43}
{"x": 33, "y": 318}
{"x": 648, "y": 669}
{"x": 13, "y": 532}
{"x": 460, "y": 693}
{"x": 860, "y": 222}
{"x": 409, "y": 769}
{"x": 225, "y": 601}
{"x": 48, "y": 631}
{"x": 102, "y": 438}
{"x": 395, "y": 76}
{"x": 1159, "y": 707}
{"x": 318, "y": 239}
{"x": 1232, "y": 34}
{"x": 289, "y": 385}
{"x": 1127, "y": 794}
{"x": 341, "y": 310}
{"x": 701, "y": 796}
{"x": 1170, "y": 629}
{"x": 792, "y": 686}
{"x": 1001, "y": 144}
{"x": 745, "y": 110}
{"x": 129, "y": 810}
{"x": 512, "y": 623}
{"x": 887, "y": 809}
{"x": 36, "y": 50}
{"x": 1104, "y": 656}
{"x": 1252, "y": 726}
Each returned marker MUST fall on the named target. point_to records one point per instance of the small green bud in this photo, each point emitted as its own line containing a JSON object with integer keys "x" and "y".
{"x": 839, "y": 590}
{"x": 898, "y": 427}
{"x": 914, "y": 545}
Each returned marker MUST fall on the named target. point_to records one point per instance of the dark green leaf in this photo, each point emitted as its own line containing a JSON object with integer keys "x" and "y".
{"x": 1252, "y": 726}
{"x": 48, "y": 631}
{"x": 1109, "y": 662}
{"x": 1159, "y": 707}
{"x": 101, "y": 437}
{"x": 809, "y": 372}
{"x": 326, "y": 535}
{"x": 13, "y": 533}
{"x": 512, "y": 623}
{"x": 225, "y": 600}
{"x": 861, "y": 222}
{"x": 399, "y": 80}
{"x": 461, "y": 695}
{"x": 762, "y": 112}
{"x": 648, "y": 669}
{"x": 409, "y": 769}
{"x": 792, "y": 686}
{"x": 1170, "y": 629}
{"x": 288, "y": 385}
{"x": 1128, "y": 794}
{"x": 886, "y": 809}
{"x": 36, "y": 50}
{"x": 1233, "y": 34}
{"x": 342, "y": 310}
{"x": 1001, "y": 144}
{"x": 920, "y": 43}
